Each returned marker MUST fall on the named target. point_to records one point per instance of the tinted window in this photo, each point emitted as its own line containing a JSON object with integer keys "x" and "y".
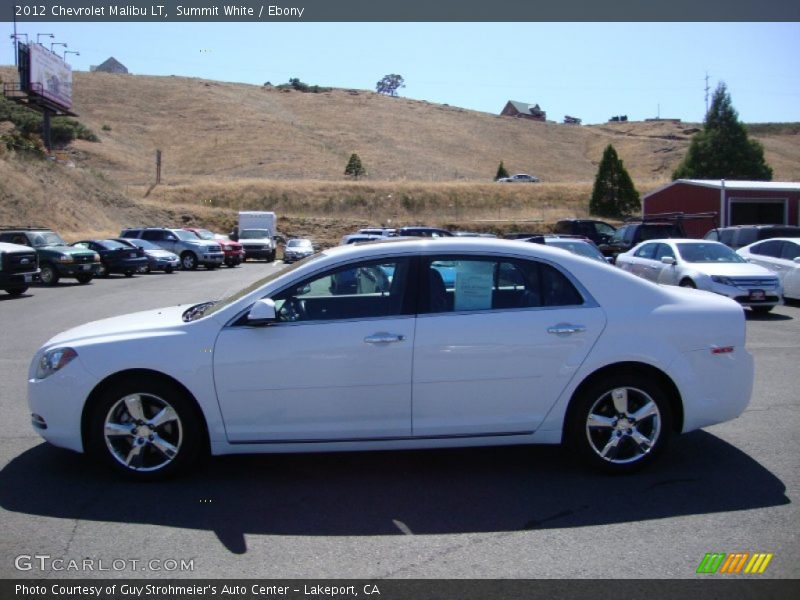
{"x": 130, "y": 233}
{"x": 457, "y": 284}
{"x": 153, "y": 235}
{"x": 362, "y": 290}
{"x": 770, "y": 248}
{"x": 650, "y": 232}
{"x": 604, "y": 228}
{"x": 726, "y": 236}
{"x": 712, "y": 235}
{"x": 745, "y": 236}
{"x": 708, "y": 253}
{"x": 790, "y": 250}
{"x": 646, "y": 251}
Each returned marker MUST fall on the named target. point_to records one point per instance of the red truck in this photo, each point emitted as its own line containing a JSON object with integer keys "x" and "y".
{"x": 234, "y": 252}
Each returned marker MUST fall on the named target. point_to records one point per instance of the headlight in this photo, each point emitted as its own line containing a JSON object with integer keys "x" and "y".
{"x": 66, "y": 258}
{"x": 54, "y": 360}
{"x": 722, "y": 280}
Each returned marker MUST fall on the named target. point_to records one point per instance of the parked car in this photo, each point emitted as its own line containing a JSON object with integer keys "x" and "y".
{"x": 296, "y": 249}
{"x": 581, "y": 247}
{"x": 382, "y": 231}
{"x": 19, "y": 268}
{"x": 599, "y": 232}
{"x": 738, "y": 236}
{"x": 704, "y": 265}
{"x": 356, "y": 238}
{"x": 257, "y": 243}
{"x": 632, "y": 234}
{"x": 418, "y": 231}
{"x": 191, "y": 250}
{"x": 555, "y": 348}
{"x": 519, "y": 178}
{"x": 115, "y": 257}
{"x": 782, "y": 257}
{"x": 233, "y": 251}
{"x": 158, "y": 259}
{"x": 56, "y": 258}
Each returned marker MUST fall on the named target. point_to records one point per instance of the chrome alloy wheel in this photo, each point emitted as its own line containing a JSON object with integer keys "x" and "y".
{"x": 143, "y": 432}
{"x": 623, "y": 425}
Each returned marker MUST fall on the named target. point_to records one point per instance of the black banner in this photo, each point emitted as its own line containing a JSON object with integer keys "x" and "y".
{"x": 709, "y": 588}
{"x": 400, "y": 11}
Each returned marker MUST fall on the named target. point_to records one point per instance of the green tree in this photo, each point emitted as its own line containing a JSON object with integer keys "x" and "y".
{"x": 722, "y": 149}
{"x": 354, "y": 167}
{"x": 501, "y": 171}
{"x": 614, "y": 194}
{"x": 390, "y": 84}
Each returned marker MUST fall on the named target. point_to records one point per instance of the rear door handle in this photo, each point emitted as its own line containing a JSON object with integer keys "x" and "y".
{"x": 566, "y": 329}
{"x": 384, "y": 338}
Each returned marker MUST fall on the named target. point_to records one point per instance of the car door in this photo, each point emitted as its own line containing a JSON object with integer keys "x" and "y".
{"x": 660, "y": 271}
{"x": 790, "y": 252}
{"x": 335, "y": 366}
{"x": 639, "y": 261}
{"x": 497, "y": 341}
{"x": 767, "y": 254}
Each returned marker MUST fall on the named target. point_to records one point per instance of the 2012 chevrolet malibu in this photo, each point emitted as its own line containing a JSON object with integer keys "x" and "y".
{"x": 519, "y": 343}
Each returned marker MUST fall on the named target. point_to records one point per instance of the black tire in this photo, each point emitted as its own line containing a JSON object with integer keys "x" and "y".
{"x": 84, "y": 279}
{"x": 271, "y": 256}
{"x": 188, "y": 261}
{"x": 761, "y": 310}
{"x": 616, "y": 441}
{"x": 49, "y": 274}
{"x": 168, "y": 270}
{"x": 211, "y": 266}
{"x": 163, "y": 449}
{"x": 128, "y": 273}
{"x": 17, "y": 291}
{"x": 103, "y": 271}
{"x": 688, "y": 283}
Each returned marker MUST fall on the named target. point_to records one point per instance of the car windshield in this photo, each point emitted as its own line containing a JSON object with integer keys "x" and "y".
{"x": 48, "y": 238}
{"x": 212, "y": 307}
{"x": 204, "y": 234}
{"x": 184, "y": 235}
{"x": 298, "y": 243}
{"x": 708, "y": 253}
{"x": 144, "y": 244}
{"x": 580, "y": 248}
{"x": 253, "y": 234}
{"x": 111, "y": 244}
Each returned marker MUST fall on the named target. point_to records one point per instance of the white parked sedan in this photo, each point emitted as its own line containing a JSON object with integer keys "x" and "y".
{"x": 704, "y": 265}
{"x": 781, "y": 256}
{"x": 523, "y": 344}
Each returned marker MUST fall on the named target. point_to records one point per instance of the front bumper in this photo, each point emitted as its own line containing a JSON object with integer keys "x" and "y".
{"x": 73, "y": 270}
{"x": 18, "y": 280}
{"x": 211, "y": 258}
{"x": 756, "y": 295}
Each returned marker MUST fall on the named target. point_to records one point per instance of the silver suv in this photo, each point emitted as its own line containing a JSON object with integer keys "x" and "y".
{"x": 192, "y": 250}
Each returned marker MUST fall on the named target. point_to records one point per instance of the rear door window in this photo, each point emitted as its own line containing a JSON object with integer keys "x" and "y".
{"x": 770, "y": 248}
{"x": 790, "y": 250}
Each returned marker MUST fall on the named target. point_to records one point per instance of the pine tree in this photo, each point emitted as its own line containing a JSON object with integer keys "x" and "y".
{"x": 354, "y": 167}
{"x": 722, "y": 150}
{"x": 614, "y": 194}
{"x": 501, "y": 171}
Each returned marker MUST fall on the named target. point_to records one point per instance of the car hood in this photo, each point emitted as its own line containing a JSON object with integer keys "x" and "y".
{"x": 141, "y": 324}
{"x": 731, "y": 269}
{"x": 66, "y": 249}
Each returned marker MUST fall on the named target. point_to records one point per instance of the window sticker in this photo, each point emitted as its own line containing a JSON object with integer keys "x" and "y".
{"x": 474, "y": 282}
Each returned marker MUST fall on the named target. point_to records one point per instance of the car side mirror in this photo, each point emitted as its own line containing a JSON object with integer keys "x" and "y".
{"x": 668, "y": 260}
{"x": 262, "y": 312}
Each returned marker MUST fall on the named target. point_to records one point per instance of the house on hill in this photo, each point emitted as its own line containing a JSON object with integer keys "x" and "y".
{"x": 523, "y": 110}
{"x": 111, "y": 65}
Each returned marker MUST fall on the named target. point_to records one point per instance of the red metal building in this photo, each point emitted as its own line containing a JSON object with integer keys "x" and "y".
{"x": 735, "y": 202}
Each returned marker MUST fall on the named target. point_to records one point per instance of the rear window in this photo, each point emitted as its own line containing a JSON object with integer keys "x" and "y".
{"x": 649, "y": 231}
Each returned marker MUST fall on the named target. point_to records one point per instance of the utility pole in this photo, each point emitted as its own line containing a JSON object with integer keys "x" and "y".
{"x": 707, "y": 88}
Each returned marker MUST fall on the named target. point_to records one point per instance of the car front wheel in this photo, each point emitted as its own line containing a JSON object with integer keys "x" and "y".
{"x": 620, "y": 423}
{"x": 49, "y": 275}
{"x": 188, "y": 261}
{"x": 145, "y": 430}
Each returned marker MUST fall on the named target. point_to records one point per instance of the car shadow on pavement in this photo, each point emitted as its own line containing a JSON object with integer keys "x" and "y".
{"x": 751, "y": 316}
{"x": 394, "y": 493}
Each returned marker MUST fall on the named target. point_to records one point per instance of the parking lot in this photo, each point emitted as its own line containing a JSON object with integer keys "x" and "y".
{"x": 489, "y": 513}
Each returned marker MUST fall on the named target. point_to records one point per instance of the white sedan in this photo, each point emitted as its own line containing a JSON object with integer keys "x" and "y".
{"x": 780, "y": 255}
{"x": 705, "y": 265}
{"x": 524, "y": 344}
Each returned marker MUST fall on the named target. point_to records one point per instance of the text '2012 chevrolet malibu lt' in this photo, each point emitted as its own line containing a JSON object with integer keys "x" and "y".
{"x": 395, "y": 345}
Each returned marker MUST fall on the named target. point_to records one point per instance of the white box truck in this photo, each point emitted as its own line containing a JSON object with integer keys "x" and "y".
{"x": 257, "y": 234}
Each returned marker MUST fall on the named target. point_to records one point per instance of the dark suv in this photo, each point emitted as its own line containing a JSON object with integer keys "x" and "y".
{"x": 57, "y": 259}
{"x": 630, "y": 234}
{"x": 191, "y": 249}
{"x": 599, "y": 232}
{"x": 18, "y": 268}
{"x": 738, "y": 236}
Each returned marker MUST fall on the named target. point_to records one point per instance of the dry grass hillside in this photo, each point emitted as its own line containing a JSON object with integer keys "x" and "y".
{"x": 230, "y": 146}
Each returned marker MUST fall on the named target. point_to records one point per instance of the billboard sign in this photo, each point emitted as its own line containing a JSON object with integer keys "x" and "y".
{"x": 50, "y": 76}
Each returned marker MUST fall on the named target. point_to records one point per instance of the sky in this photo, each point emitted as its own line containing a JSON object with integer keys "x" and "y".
{"x": 588, "y": 70}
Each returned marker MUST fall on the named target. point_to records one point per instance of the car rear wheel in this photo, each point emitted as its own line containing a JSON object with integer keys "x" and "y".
{"x": 49, "y": 275}
{"x": 83, "y": 279}
{"x": 102, "y": 271}
{"x": 17, "y": 291}
{"x": 620, "y": 423}
{"x": 128, "y": 273}
{"x": 168, "y": 270}
{"x": 188, "y": 261}
{"x": 145, "y": 430}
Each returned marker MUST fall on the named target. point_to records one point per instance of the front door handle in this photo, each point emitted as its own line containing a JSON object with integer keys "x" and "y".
{"x": 384, "y": 338}
{"x": 565, "y": 329}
